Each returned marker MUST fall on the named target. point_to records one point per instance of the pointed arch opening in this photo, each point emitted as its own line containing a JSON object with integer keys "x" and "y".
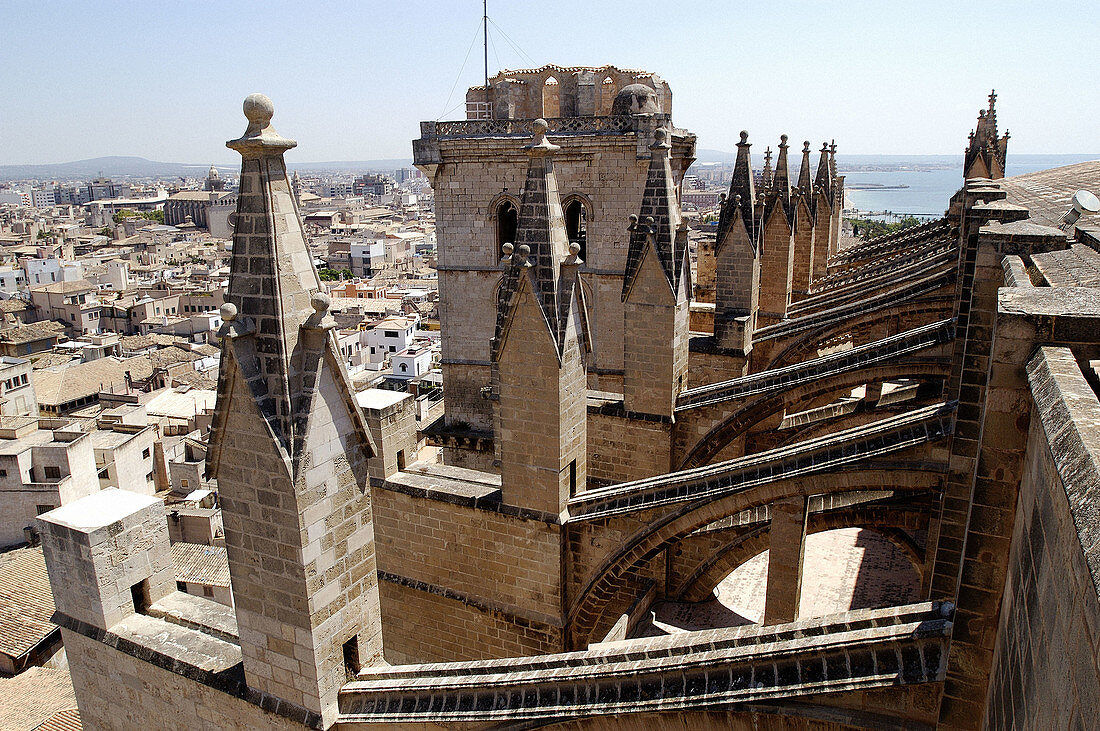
{"x": 506, "y": 216}
{"x": 577, "y": 212}
{"x": 551, "y": 98}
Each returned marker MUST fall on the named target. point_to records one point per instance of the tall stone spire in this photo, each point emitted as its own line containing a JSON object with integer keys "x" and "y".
{"x": 985, "y": 155}
{"x": 824, "y": 179}
{"x": 542, "y": 244}
{"x": 737, "y": 259}
{"x": 539, "y": 349}
{"x": 766, "y": 175}
{"x": 804, "y": 172}
{"x": 656, "y": 294}
{"x": 781, "y": 183}
{"x": 742, "y": 194}
{"x": 290, "y": 449}
{"x": 660, "y": 212}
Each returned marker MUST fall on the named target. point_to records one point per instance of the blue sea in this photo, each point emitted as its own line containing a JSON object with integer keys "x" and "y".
{"x": 931, "y": 181}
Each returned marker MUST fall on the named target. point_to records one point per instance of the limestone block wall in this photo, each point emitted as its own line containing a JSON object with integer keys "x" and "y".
{"x": 703, "y": 275}
{"x": 654, "y": 367}
{"x": 622, "y": 449}
{"x": 543, "y": 411}
{"x": 393, "y": 429}
{"x": 119, "y": 692}
{"x": 424, "y": 626}
{"x": 712, "y": 367}
{"x": 451, "y": 568}
{"x": 1045, "y": 672}
{"x": 100, "y": 547}
{"x": 804, "y": 243}
{"x": 776, "y": 267}
{"x": 301, "y": 553}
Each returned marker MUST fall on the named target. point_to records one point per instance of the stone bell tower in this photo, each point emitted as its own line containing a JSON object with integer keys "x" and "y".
{"x": 290, "y": 448}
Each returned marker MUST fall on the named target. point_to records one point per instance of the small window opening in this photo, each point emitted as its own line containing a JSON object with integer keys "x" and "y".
{"x": 139, "y": 592}
{"x": 507, "y": 224}
{"x": 351, "y": 657}
{"x": 576, "y": 225}
{"x": 400, "y": 459}
{"x": 572, "y": 478}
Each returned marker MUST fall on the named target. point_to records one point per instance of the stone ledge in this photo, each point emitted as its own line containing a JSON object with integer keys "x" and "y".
{"x": 709, "y": 669}
{"x": 430, "y": 484}
{"x": 221, "y": 669}
{"x": 1069, "y": 412}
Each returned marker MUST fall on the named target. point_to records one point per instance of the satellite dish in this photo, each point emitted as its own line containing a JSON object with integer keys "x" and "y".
{"x": 1083, "y": 202}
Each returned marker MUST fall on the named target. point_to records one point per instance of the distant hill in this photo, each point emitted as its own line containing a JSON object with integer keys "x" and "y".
{"x": 139, "y": 167}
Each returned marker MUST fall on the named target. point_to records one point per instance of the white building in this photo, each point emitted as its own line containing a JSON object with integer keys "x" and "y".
{"x": 367, "y": 257}
{"x": 412, "y": 362}
{"x": 391, "y": 336}
{"x": 46, "y": 271}
{"x": 44, "y": 198}
{"x": 12, "y": 280}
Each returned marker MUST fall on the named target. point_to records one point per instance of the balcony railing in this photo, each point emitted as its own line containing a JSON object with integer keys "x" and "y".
{"x": 523, "y": 127}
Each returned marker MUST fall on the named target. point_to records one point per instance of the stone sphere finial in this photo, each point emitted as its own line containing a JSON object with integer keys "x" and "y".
{"x": 320, "y": 302}
{"x": 507, "y": 249}
{"x": 649, "y": 221}
{"x": 744, "y": 135}
{"x": 737, "y": 199}
{"x": 633, "y": 220}
{"x": 574, "y": 248}
{"x": 228, "y": 311}
{"x": 782, "y": 139}
{"x": 806, "y": 146}
{"x": 660, "y": 135}
{"x": 258, "y": 109}
{"x": 524, "y": 250}
{"x": 539, "y": 126}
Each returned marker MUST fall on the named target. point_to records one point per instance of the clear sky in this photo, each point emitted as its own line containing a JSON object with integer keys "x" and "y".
{"x": 351, "y": 80}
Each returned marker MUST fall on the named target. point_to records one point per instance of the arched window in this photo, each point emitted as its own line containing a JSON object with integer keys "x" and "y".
{"x": 607, "y": 95}
{"x": 507, "y": 216}
{"x": 551, "y": 98}
{"x": 576, "y": 223}
{"x": 404, "y": 367}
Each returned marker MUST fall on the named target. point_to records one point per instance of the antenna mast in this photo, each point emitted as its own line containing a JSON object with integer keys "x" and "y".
{"x": 485, "y": 39}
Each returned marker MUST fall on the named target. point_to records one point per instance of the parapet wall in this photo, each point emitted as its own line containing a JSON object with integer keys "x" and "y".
{"x": 460, "y": 580}
{"x": 1048, "y": 639}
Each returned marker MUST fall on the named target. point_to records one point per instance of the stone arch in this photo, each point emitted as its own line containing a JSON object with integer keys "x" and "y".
{"x": 793, "y": 345}
{"x": 593, "y": 599}
{"x": 607, "y": 95}
{"x": 504, "y": 213}
{"x": 742, "y": 418}
{"x": 577, "y": 210}
{"x": 551, "y": 98}
{"x": 892, "y": 523}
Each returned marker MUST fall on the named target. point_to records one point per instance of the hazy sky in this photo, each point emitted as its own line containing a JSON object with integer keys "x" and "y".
{"x": 351, "y": 81}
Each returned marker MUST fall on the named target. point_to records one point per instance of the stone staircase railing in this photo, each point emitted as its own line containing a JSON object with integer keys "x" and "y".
{"x": 863, "y": 443}
{"x": 862, "y": 649}
{"x": 895, "y": 346}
